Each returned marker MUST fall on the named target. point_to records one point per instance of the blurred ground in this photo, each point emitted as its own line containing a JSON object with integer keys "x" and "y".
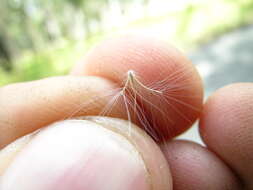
{"x": 226, "y": 60}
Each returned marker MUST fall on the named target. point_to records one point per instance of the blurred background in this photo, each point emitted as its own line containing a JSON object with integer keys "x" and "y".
{"x": 41, "y": 38}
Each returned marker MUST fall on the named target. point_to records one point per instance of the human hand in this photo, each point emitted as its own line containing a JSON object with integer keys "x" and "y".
{"x": 98, "y": 153}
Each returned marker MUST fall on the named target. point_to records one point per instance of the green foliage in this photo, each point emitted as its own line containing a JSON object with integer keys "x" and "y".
{"x": 33, "y": 66}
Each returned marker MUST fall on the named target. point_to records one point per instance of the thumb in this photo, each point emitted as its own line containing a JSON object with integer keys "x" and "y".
{"x": 96, "y": 154}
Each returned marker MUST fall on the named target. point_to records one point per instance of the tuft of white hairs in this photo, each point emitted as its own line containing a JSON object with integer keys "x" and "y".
{"x": 132, "y": 92}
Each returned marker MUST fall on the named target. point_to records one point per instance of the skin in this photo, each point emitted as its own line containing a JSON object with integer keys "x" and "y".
{"x": 54, "y": 157}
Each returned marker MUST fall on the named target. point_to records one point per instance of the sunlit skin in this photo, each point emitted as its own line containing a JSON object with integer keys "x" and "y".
{"x": 107, "y": 153}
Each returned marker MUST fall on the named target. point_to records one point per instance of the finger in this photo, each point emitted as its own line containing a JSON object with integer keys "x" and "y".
{"x": 166, "y": 86}
{"x": 195, "y": 168}
{"x": 226, "y": 126}
{"x": 8, "y": 154}
{"x": 96, "y": 153}
{"x": 26, "y": 107}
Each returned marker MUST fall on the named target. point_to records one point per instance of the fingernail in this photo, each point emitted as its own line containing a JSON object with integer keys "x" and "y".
{"x": 77, "y": 155}
{"x": 8, "y": 153}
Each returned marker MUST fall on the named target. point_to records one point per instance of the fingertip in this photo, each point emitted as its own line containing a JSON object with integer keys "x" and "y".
{"x": 226, "y": 127}
{"x": 194, "y": 167}
{"x": 84, "y": 154}
{"x": 157, "y": 66}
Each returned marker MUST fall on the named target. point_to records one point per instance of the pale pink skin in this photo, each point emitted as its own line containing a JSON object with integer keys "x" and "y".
{"x": 77, "y": 157}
